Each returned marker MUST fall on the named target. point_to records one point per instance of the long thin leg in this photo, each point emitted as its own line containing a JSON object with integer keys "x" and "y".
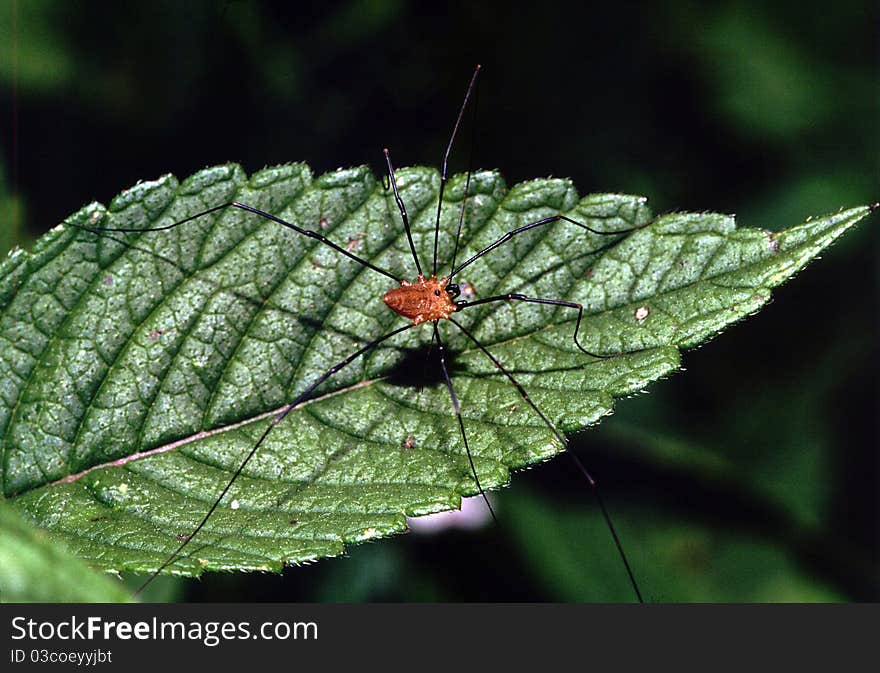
{"x": 592, "y": 482}
{"x": 467, "y": 96}
{"x": 514, "y": 296}
{"x": 467, "y": 182}
{"x": 539, "y": 223}
{"x": 256, "y": 211}
{"x": 275, "y": 421}
{"x": 428, "y": 357}
{"x": 402, "y": 210}
{"x": 457, "y": 407}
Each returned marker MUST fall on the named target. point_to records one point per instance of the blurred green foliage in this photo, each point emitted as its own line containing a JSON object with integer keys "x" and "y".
{"x": 760, "y": 460}
{"x": 35, "y": 569}
{"x": 12, "y": 231}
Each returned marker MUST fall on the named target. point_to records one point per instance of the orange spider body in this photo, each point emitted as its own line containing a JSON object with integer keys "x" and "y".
{"x": 426, "y": 299}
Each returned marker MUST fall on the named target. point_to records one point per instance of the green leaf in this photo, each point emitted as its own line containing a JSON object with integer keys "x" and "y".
{"x": 35, "y": 569}
{"x": 138, "y": 369}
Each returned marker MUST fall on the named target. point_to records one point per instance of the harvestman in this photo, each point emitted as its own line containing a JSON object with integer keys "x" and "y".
{"x": 427, "y": 299}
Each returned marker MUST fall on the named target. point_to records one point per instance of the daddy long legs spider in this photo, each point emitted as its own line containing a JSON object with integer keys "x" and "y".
{"x": 428, "y": 298}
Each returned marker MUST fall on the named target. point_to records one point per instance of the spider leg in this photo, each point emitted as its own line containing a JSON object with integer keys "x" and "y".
{"x": 250, "y": 209}
{"x": 467, "y": 182}
{"x": 515, "y": 296}
{"x": 428, "y": 357}
{"x": 592, "y": 482}
{"x": 539, "y": 223}
{"x": 461, "y": 110}
{"x": 457, "y": 407}
{"x": 275, "y": 421}
{"x": 402, "y": 208}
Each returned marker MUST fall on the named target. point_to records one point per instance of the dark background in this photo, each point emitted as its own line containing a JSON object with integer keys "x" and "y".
{"x": 752, "y": 476}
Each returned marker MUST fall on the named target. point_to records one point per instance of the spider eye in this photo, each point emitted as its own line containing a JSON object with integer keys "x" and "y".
{"x": 437, "y": 292}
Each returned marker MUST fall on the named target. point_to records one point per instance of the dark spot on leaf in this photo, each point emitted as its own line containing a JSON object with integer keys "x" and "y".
{"x": 156, "y": 333}
{"x": 354, "y": 242}
{"x": 324, "y": 223}
{"x": 409, "y": 442}
{"x": 99, "y": 518}
{"x": 589, "y": 273}
{"x": 294, "y": 522}
{"x": 183, "y": 537}
{"x": 108, "y": 280}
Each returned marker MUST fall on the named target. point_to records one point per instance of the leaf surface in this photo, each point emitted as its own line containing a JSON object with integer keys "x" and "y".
{"x": 138, "y": 369}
